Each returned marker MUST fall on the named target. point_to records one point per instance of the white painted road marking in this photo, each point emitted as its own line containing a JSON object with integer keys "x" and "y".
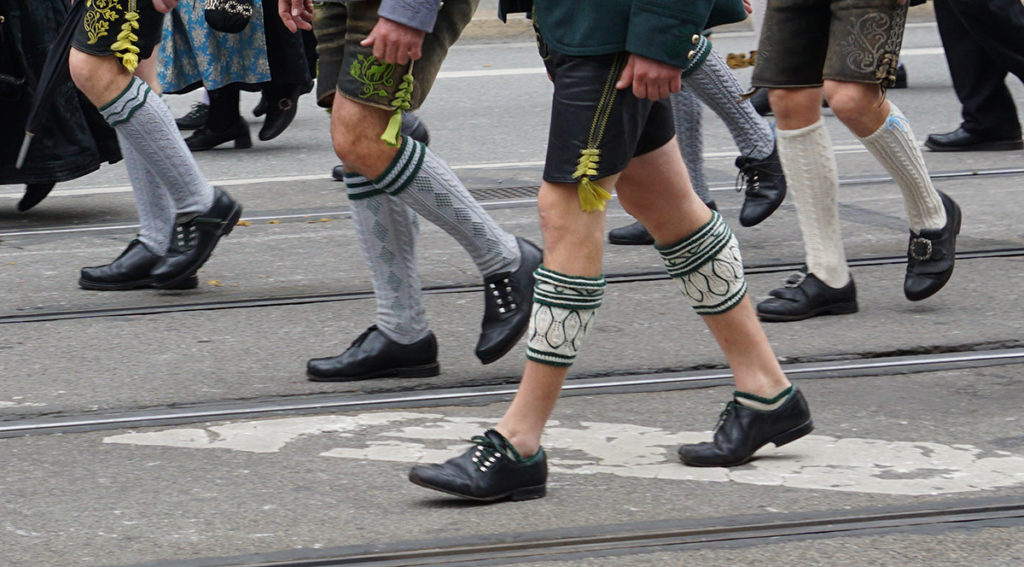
{"x": 815, "y": 462}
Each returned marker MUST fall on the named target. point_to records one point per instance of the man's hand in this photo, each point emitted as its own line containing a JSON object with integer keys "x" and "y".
{"x": 394, "y": 42}
{"x": 650, "y": 79}
{"x": 164, "y": 6}
{"x": 296, "y": 14}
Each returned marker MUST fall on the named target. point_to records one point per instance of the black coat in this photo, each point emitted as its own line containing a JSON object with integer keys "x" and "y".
{"x": 73, "y": 139}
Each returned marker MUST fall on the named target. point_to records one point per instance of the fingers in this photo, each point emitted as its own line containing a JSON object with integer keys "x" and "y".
{"x": 626, "y": 78}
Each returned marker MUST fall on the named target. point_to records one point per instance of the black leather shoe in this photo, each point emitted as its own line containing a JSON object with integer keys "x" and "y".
{"x": 901, "y": 77}
{"x": 34, "y": 194}
{"x": 205, "y": 139}
{"x": 261, "y": 107}
{"x": 805, "y": 296}
{"x": 196, "y": 118}
{"x": 374, "y": 355}
{"x": 195, "y": 239}
{"x": 131, "y": 270}
{"x": 489, "y": 471}
{"x": 931, "y": 254}
{"x": 961, "y": 140}
{"x": 760, "y": 102}
{"x": 765, "y": 186}
{"x": 280, "y": 113}
{"x": 631, "y": 235}
{"x": 508, "y": 300}
{"x": 741, "y": 431}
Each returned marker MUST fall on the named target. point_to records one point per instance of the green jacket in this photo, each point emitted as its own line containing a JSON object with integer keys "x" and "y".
{"x": 669, "y": 31}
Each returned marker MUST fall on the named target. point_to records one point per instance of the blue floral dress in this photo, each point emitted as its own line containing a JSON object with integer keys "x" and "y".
{"x": 192, "y": 55}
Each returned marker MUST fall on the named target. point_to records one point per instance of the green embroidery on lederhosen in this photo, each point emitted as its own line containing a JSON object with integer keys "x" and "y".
{"x": 374, "y": 74}
{"x": 592, "y": 196}
{"x": 98, "y": 17}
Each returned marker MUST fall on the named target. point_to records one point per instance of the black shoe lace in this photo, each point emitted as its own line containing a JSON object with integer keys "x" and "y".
{"x": 729, "y": 409}
{"x": 500, "y": 292}
{"x": 486, "y": 453}
{"x": 198, "y": 110}
{"x": 749, "y": 176}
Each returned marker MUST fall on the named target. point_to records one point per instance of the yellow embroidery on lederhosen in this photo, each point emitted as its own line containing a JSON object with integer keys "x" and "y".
{"x": 125, "y": 47}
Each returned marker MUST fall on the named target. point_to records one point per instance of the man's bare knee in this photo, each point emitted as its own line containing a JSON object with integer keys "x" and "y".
{"x": 795, "y": 108}
{"x": 99, "y": 78}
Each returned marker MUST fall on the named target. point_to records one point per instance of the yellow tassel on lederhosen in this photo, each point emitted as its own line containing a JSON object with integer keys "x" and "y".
{"x": 125, "y": 47}
{"x": 401, "y": 102}
{"x": 592, "y": 196}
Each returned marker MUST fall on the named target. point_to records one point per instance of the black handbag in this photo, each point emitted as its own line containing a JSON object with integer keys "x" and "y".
{"x": 228, "y": 16}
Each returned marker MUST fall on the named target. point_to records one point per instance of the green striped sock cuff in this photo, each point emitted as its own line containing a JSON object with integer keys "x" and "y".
{"x": 359, "y": 187}
{"x": 124, "y": 105}
{"x": 569, "y": 292}
{"x": 692, "y": 252}
{"x": 403, "y": 169}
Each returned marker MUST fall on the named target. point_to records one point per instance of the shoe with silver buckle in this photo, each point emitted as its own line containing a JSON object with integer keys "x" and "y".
{"x": 805, "y": 296}
{"x": 931, "y": 255}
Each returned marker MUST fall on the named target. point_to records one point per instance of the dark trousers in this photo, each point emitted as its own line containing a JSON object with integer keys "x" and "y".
{"x": 984, "y": 40}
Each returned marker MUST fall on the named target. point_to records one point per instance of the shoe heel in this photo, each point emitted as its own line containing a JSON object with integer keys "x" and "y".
{"x": 232, "y": 221}
{"x": 423, "y": 371}
{"x": 793, "y": 434}
{"x": 528, "y": 493}
{"x": 244, "y": 141}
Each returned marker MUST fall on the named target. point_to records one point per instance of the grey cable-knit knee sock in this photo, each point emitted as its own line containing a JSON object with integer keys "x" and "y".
{"x": 156, "y": 210}
{"x": 686, "y": 112}
{"x": 143, "y": 121}
{"x": 424, "y": 182}
{"x": 715, "y": 85}
{"x": 388, "y": 231}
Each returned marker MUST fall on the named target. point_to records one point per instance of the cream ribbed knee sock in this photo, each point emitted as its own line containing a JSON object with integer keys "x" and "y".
{"x": 895, "y": 147}
{"x": 813, "y": 182}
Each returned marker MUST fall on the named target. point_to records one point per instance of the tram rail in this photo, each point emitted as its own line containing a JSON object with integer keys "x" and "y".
{"x": 660, "y": 537}
{"x": 971, "y": 356}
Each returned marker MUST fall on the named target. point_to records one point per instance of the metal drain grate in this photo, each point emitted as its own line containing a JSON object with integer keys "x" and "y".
{"x": 501, "y": 193}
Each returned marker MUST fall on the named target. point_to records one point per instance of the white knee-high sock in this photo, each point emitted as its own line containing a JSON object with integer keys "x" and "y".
{"x": 895, "y": 147}
{"x": 813, "y": 181}
{"x": 143, "y": 121}
{"x": 388, "y": 232}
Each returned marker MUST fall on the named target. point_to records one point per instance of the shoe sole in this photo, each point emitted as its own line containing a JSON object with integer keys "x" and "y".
{"x": 138, "y": 284}
{"x": 229, "y": 225}
{"x": 422, "y": 371}
{"x": 983, "y": 147}
{"x": 949, "y": 274}
{"x": 779, "y": 440}
{"x": 628, "y": 242}
{"x": 517, "y": 495}
{"x": 835, "y": 309}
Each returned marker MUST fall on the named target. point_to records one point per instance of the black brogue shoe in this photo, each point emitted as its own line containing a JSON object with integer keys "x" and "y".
{"x": 805, "y": 296}
{"x": 764, "y": 184}
{"x": 131, "y": 270}
{"x": 195, "y": 239}
{"x": 489, "y": 471}
{"x": 374, "y": 355}
{"x": 508, "y": 300}
{"x": 931, "y": 255}
{"x": 630, "y": 235}
{"x": 741, "y": 431}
